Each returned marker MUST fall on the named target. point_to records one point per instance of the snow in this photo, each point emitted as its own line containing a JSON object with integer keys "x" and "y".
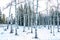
{"x": 42, "y": 32}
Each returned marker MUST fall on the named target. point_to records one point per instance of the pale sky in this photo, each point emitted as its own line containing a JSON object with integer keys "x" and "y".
{"x": 42, "y": 6}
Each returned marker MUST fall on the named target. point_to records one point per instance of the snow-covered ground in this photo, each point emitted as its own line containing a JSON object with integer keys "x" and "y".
{"x": 42, "y": 32}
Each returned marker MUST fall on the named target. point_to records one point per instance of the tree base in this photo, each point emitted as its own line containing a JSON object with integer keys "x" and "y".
{"x": 50, "y": 32}
{"x": 5, "y": 29}
{"x": 31, "y": 31}
{"x": 16, "y": 34}
{"x": 58, "y": 31}
{"x": 28, "y": 28}
{"x": 48, "y": 28}
{"x": 36, "y": 37}
{"x": 53, "y": 34}
{"x": 23, "y": 30}
{"x": 44, "y": 26}
{"x": 11, "y": 31}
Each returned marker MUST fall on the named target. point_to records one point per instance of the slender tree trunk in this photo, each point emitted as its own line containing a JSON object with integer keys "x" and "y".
{"x": 24, "y": 24}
